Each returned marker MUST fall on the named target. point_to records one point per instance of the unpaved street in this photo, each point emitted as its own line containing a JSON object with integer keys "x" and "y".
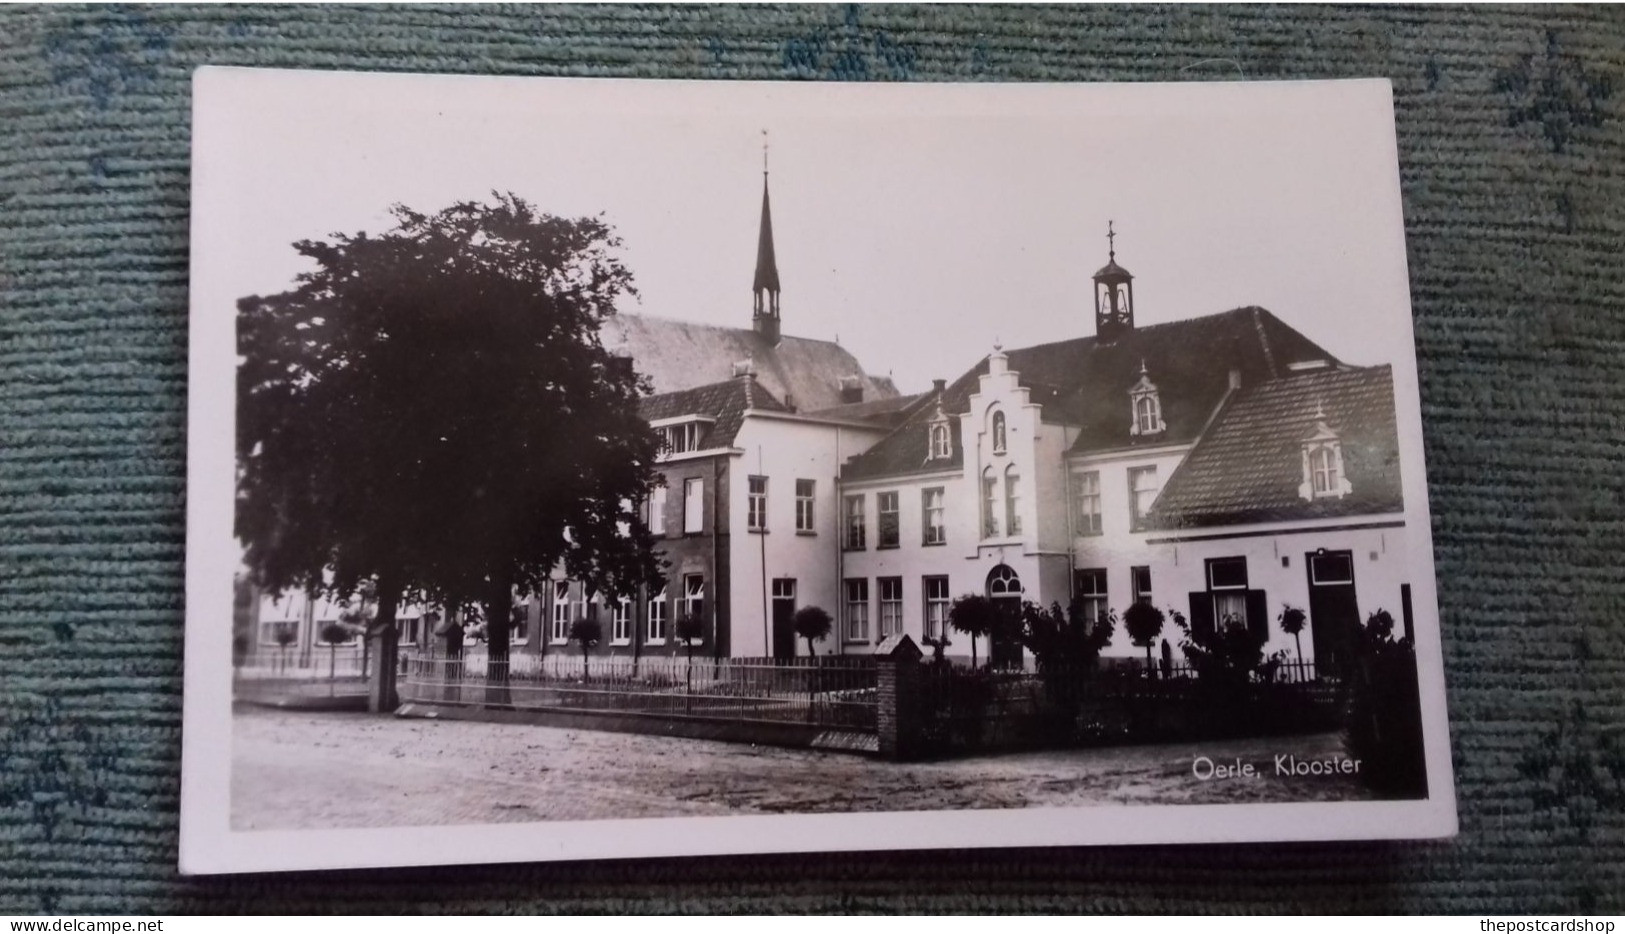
{"x": 311, "y": 770}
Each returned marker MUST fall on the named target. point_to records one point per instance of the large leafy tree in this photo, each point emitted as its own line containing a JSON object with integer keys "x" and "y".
{"x": 431, "y": 410}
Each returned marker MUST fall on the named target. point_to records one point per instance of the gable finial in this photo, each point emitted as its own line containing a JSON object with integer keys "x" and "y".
{"x": 764, "y": 150}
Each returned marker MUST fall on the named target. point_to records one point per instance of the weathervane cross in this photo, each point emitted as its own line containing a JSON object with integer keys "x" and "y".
{"x": 1111, "y": 239}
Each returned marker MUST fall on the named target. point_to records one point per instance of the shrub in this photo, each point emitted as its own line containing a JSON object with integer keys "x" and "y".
{"x": 812, "y": 623}
{"x": 1143, "y": 623}
{"x": 1384, "y": 729}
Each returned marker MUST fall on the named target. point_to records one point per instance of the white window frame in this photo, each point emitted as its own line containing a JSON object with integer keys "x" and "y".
{"x": 855, "y": 531}
{"x": 941, "y": 441}
{"x": 1228, "y": 594}
{"x": 657, "y": 511}
{"x": 1140, "y": 595}
{"x": 1086, "y": 506}
{"x": 1136, "y": 512}
{"x": 896, "y": 514}
{"x": 934, "y": 518}
{"x": 1012, "y": 500}
{"x": 756, "y": 503}
{"x": 891, "y": 610}
{"x": 620, "y": 622}
{"x": 805, "y": 501}
{"x": 990, "y": 504}
{"x": 935, "y": 622}
{"x": 560, "y": 632}
{"x": 1096, "y": 597}
{"x": 855, "y": 591}
{"x": 694, "y": 602}
{"x": 655, "y": 627}
{"x": 694, "y": 506}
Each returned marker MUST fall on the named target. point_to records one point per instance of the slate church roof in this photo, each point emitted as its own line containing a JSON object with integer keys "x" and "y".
{"x": 1249, "y": 465}
{"x": 799, "y": 372}
{"x": 1085, "y": 382}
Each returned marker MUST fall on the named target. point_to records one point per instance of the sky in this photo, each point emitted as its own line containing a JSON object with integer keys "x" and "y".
{"x": 917, "y": 224}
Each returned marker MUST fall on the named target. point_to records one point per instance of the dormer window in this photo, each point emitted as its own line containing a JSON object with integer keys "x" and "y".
{"x": 680, "y": 436}
{"x": 998, "y": 433}
{"x": 1145, "y": 407}
{"x": 1323, "y": 476}
{"x": 941, "y": 441}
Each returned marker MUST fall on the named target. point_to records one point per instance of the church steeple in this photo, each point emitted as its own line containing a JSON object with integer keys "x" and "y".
{"x": 766, "y": 286}
{"x": 1114, "y": 294}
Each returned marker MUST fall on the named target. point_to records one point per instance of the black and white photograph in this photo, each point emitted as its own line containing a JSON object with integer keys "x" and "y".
{"x": 595, "y": 468}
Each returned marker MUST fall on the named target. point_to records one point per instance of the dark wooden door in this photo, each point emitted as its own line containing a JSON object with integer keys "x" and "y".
{"x": 1334, "y": 613}
{"x": 1004, "y": 650}
{"x": 784, "y": 627}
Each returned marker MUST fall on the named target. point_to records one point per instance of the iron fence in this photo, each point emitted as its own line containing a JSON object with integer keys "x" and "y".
{"x": 832, "y": 692}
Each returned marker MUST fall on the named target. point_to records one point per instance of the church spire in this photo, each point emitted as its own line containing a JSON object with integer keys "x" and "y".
{"x": 766, "y": 285}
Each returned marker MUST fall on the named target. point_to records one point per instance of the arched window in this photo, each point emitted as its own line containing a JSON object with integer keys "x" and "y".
{"x": 1147, "y": 417}
{"x": 1002, "y": 581}
{"x": 998, "y": 433}
{"x": 1323, "y": 473}
{"x": 1146, "y": 406}
{"x": 1012, "y": 501}
{"x": 940, "y": 448}
{"x": 990, "y": 504}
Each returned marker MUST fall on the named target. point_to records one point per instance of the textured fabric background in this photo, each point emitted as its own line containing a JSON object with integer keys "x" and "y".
{"x": 1513, "y": 159}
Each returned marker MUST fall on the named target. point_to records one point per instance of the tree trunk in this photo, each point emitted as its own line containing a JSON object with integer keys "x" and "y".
{"x": 382, "y": 696}
{"x": 498, "y": 611}
{"x": 1150, "y": 673}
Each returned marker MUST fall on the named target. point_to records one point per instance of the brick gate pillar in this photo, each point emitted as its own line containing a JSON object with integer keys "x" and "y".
{"x": 897, "y": 706}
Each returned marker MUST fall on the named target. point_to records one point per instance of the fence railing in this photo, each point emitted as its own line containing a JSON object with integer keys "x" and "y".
{"x": 830, "y": 692}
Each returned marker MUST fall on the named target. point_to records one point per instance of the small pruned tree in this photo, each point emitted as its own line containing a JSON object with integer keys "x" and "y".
{"x": 587, "y": 633}
{"x": 812, "y": 623}
{"x": 284, "y": 636}
{"x": 1291, "y": 621}
{"x": 974, "y": 615}
{"x": 333, "y": 633}
{"x": 1143, "y": 623}
{"x": 691, "y": 629}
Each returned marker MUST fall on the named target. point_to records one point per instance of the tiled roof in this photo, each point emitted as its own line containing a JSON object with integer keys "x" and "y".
{"x": 1085, "y": 382}
{"x": 888, "y": 411}
{"x": 799, "y": 371}
{"x": 724, "y": 402}
{"x": 1249, "y": 464}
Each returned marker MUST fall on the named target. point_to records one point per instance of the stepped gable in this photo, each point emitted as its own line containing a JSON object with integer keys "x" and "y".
{"x": 1248, "y": 467}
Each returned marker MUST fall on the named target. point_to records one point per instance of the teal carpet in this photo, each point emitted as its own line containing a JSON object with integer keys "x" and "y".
{"x": 1512, "y": 146}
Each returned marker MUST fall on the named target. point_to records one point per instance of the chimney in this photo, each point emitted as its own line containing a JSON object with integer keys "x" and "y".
{"x": 851, "y": 389}
{"x": 1235, "y": 379}
{"x": 939, "y": 386}
{"x": 744, "y": 368}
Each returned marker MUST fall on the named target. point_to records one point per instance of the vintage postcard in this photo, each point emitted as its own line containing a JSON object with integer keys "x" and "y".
{"x": 600, "y": 468}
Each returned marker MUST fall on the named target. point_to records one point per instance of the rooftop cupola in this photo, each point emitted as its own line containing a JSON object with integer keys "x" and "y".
{"x": 766, "y": 285}
{"x": 1114, "y": 294}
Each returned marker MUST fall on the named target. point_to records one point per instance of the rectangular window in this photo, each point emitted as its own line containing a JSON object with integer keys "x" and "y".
{"x": 1142, "y": 492}
{"x": 411, "y": 626}
{"x": 855, "y": 530}
{"x": 519, "y": 627}
{"x": 657, "y": 617}
{"x": 857, "y": 610}
{"x": 680, "y": 439}
{"x": 1232, "y": 602}
{"x": 1091, "y": 589}
{"x": 1334, "y": 568}
{"x": 657, "y": 511}
{"x": 694, "y": 505}
{"x": 890, "y": 534}
{"x": 891, "y": 606}
{"x": 1086, "y": 503}
{"x": 694, "y": 597}
{"x": 561, "y": 611}
{"x": 756, "y": 507}
{"x": 934, "y": 510}
{"x": 620, "y": 622}
{"x": 936, "y": 607}
{"x": 1140, "y": 578}
{"x": 804, "y": 506}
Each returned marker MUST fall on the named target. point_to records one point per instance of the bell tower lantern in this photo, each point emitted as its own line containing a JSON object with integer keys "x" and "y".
{"x": 765, "y": 318}
{"x": 1114, "y": 294}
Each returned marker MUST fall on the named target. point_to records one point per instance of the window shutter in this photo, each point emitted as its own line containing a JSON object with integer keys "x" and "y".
{"x": 1258, "y": 620}
{"x": 1201, "y": 613}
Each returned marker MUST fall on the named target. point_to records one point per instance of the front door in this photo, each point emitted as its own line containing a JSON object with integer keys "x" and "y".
{"x": 1334, "y": 614}
{"x": 1005, "y": 648}
{"x": 784, "y": 611}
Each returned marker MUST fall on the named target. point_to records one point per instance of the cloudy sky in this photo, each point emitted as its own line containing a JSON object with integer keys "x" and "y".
{"x": 918, "y": 224}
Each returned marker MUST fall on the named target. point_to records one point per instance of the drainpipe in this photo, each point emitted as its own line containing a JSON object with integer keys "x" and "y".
{"x": 716, "y": 557}
{"x": 761, "y": 537}
{"x": 838, "y": 510}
